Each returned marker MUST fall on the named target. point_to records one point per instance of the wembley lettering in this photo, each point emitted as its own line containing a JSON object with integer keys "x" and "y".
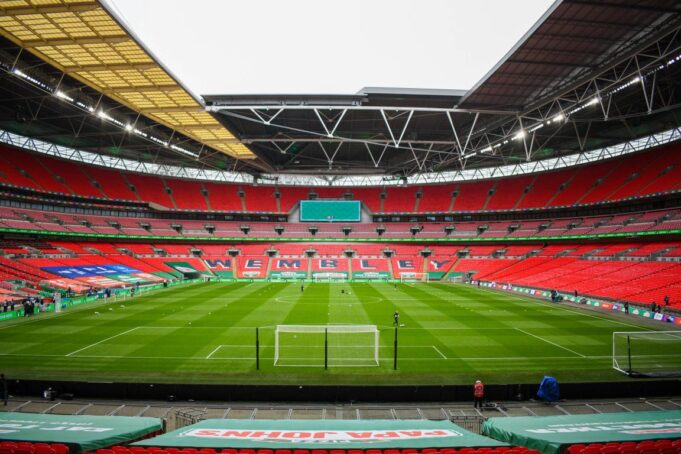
{"x": 219, "y": 263}
{"x": 366, "y": 265}
{"x": 295, "y": 264}
{"x": 253, "y": 263}
{"x": 320, "y": 435}
{"x": 328, "y": 264}
{"x": 438, "y": 264}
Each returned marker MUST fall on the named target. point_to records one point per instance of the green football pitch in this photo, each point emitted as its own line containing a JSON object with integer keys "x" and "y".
{"x": 206, "y": 333}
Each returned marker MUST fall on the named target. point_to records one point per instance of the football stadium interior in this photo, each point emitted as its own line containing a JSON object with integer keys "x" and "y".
{"x": 331, "y": 274}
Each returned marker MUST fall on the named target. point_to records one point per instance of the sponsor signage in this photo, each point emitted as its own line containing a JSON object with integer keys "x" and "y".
{"x": 75, "y": 272}
{"x": 321, "y": 434}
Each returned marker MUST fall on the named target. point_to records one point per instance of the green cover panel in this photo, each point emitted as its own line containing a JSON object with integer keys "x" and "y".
{"x": 550, "y": 433}
{"x": 330, "y": 211}
{"x": 320, "y": 434}
{"x": 87, "y": 432}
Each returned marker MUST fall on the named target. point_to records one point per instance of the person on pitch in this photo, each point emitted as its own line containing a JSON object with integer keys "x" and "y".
{"x": 396, "y": 319}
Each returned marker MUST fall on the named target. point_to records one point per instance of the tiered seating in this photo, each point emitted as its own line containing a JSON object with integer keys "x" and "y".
{"x": 292, "y": 195}
{"x": 59, "y": 222}
{"x": 74, "y": 177}
{"x": 628, "y": 447}
{"x": 472, "y": 196}
{"x": 651, "y": 172}
{"x": 436, "y": 198}
{"x": 260, "y": 199}
{"x": 400, "y": 200}
{"x": 187, "y": 194}
{"x": 24, "y": 447}
{"x": 111, "y": 182}
{"x": 620, "y": 175}
{"x": 636, "y": 281}
{"x": 508, "y": 192}
{"x": 580, "y": 183}
{"x": 370, "y": 196}
{"x": 223, "y": 197}
{"x": 27, "y": 163}
{"x": 150, "y": 189}
{"x": 544, "y": 187}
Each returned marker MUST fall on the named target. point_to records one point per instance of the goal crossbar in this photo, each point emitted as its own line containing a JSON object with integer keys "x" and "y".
{"x": 367, "y": 352}
{"x": 326, "y": 328}
{"x": 414, "y": 277}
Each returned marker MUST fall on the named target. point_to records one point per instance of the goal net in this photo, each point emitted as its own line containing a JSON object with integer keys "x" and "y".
{"x": 413, "y": 277}
{"x": 330, "y": 277}
{"x": 647, "y": 353}
{"x": 332, "y": 345}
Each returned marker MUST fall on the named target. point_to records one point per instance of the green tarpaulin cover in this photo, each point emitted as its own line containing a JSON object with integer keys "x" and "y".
{"x": 549, "y": 433}
{"x": 341, "y": 434}
{"x": 87, "y": 432}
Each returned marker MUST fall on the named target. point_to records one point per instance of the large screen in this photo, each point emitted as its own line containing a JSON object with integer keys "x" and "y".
{"x": 330, "y": 211}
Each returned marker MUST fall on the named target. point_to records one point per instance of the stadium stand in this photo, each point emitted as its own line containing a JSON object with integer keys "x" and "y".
{"x": 647, "y": 173}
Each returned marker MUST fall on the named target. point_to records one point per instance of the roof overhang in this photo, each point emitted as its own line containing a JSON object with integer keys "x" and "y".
{"x": 88, "y": 42}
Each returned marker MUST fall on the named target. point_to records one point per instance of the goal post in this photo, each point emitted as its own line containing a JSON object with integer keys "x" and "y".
{"x": 647, "y": 353}
{"x": 330, "y": 277}
{"x": 413, "y": 277}
{"x": 326, "y": 345}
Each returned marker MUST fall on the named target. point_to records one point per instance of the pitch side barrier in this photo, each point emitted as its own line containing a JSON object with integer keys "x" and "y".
{"x": 636, "y": 311}
{"x": 117, "y": 295}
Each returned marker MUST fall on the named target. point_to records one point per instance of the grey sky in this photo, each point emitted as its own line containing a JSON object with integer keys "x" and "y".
{"x": 331, "y": 47}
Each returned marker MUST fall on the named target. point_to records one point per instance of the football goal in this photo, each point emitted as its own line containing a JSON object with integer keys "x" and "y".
{"x": 413, "y": 277}
{"x": 326, "y": 345}
{"x": 330, "y": 277}
{"x": 647, "y": 353}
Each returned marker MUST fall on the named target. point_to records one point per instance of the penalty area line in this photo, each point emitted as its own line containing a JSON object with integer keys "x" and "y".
{"x": 102, "y": 341}
{"x": 438, "y": 350}
{"x": 214, "y": 351}
{"x": 550, "y": 342}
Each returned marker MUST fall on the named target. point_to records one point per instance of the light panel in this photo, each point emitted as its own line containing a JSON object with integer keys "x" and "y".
{"x": 82, "y": 39}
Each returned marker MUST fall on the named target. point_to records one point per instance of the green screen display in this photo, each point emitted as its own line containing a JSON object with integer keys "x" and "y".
{"x": 330, "y": 211}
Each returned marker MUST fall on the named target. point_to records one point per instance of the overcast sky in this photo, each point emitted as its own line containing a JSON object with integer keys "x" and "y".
{"x": 328, "y": 47}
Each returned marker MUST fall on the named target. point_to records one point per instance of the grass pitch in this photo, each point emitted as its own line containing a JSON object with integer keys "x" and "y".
{"x": 205, "y": 333}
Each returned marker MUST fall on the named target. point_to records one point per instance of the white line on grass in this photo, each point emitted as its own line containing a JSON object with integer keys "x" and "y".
{"x": 101, "y": 341}
{"x": 556, "y": 306}
{"x": 438, "y": 350}
{"x": 214, "y": 351}
{"x": 549, "y": 342}
{"x": 403, "y": 358}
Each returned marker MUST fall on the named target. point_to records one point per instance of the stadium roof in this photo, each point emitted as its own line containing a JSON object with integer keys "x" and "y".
{"x": 88, "y": 43}
{"x": 588, "y": 74}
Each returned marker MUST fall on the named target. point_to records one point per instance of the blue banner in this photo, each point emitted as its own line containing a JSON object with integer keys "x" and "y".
{"x": 75, "y": 272}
